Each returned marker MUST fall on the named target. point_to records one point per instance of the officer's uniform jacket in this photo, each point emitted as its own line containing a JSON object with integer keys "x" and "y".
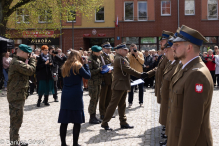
{"x": 95, "y": 68}
{"x": 164, "y": 91}
{"x": 121, "y": 73}
{"x": 178, "y": 68}
{"x": 107, "y": 77}
{"x": 158, "y": 72}
{"x": 189, "y": 121}
{"x": 18, "y": 78}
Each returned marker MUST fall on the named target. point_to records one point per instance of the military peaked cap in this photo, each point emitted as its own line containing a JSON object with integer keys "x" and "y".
{"x": 166, "y": 35}
{"x": 175, "y": 35}
{"x": 188, "y": 34}
{"x": 107, "y": 45}
{"x": 121, "y": 46}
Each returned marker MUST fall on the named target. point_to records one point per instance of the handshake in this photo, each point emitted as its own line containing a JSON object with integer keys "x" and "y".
{"x": 144, "y": 75}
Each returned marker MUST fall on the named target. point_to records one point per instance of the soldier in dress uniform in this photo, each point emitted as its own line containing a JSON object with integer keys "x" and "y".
{"x": 158, "y": 72}
{"x": 106, "y": 92}
{"x": 120, "y": 85}
{"x": 191, "y": 89}
{"x": 164, "y": 92}
{"x": 94, "y": 82}
{"x": 18, "y": 83}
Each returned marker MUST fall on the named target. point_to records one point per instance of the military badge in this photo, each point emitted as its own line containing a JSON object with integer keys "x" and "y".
{"x": 199, "y": 88}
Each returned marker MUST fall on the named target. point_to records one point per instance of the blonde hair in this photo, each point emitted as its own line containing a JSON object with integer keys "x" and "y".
{"x": 73, "y": 62}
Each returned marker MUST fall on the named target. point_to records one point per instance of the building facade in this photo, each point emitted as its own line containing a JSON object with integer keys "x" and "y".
{"x": 139, "y": 21}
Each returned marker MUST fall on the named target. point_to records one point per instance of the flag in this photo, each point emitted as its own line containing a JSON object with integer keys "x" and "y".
{"x": 117, "y": 21}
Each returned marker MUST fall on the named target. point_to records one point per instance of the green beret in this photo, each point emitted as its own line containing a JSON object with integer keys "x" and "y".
{"x": 96, "y": 48}
{"x": 25, "y": 48}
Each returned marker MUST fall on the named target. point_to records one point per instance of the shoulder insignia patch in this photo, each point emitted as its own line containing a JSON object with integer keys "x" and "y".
{"x": 199, "y": 88}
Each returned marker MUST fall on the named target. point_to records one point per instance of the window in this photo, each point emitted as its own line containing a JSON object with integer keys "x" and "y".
{"x": 142, "y": 11}
{"x": 130, "y": 40}
{"x": 100, "y": 15}
{"x": 212, "y": 9}
{"x": 71, "y": 16}
{"x": 22, "y": 16}
{"x": 45, "y": 16}
{"x": 129, "y": 11}
{"x": 189, "y": 7}
{"x": 165, "y": 8}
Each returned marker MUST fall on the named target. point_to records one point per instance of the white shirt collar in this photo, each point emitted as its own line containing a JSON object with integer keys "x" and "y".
{"x": 189, "y": 62}
{"x": 173, "y": 62}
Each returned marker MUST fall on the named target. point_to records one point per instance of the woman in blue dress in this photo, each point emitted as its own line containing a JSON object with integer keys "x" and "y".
{"x": 72, "y": 106}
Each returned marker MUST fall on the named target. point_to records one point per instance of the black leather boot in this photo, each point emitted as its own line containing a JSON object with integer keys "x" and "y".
{"x": 97, "y": 118}
{"x": 93, "y": 119}
{"x": 46, "y": 98}
{"x": 39, "y": 100}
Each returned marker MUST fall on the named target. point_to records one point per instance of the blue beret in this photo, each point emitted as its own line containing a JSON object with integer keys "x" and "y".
{"x": 96, "y": 48}
{"x": 25, "y": 48}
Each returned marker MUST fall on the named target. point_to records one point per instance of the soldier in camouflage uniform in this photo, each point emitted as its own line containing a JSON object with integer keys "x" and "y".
{"x": 94, "y": 83}
{"x": 18, "y": 82}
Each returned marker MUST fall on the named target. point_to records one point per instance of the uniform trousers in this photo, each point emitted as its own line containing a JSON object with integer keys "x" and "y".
{"x": 94, "y": 93}
{"x": 105, "y": 97}
{"x": 6, "y": 77}
{"x": 55, "y": 90}
{"x": 16, "y": 119}
{"x": 213, "y": 76}
{"x": 118, "y": 99}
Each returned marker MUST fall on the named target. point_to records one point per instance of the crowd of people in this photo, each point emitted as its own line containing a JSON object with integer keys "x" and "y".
{"x": 182, "y": 84}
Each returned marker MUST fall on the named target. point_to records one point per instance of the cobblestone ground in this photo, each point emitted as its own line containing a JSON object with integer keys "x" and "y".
{"x": 40, "y": 125}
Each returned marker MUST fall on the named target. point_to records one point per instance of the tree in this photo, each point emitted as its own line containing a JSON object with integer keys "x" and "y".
{"x": 23, "y": 14}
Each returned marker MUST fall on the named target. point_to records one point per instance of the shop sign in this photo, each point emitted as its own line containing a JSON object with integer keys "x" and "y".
{"x": 42, "y": 41}
{"x": 101, "y": 34}
{"x": 38, "y": 34}
{"x": 86, "y": 35}
{"x": 148, "y": 40}
{"x": 94, "y": 32}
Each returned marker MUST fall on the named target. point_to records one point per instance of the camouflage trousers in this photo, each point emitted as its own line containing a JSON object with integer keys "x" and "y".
{"x": 16, "y": 119}
{"x": 94, "y": 93}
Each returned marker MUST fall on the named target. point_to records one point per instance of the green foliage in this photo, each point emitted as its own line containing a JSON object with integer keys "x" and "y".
{"x": 44, "y": 15}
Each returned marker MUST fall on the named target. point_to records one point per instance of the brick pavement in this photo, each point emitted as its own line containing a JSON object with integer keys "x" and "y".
{"x": 40, "y": 124}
